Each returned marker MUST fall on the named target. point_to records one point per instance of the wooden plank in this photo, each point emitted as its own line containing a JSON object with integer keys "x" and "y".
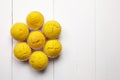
{"x": 77, "y": 61}
{"x": 21, "y": 70}
{"x": 108, "y": 40}
{"x": 5, "y": 40}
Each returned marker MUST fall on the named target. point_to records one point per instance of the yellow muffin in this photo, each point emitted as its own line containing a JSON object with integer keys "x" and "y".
{"x": 22, "y": 51}
{"x": 36, "y": 39}
{"x": 35, "y": 20}
{"x": 52, "y": 29}
{"x": 52, "y": 48}
{"x": 38, "y": 60}
{"x": 19, "y": 31}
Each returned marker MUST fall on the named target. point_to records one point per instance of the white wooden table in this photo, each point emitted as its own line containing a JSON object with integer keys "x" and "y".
{"x": 90, "y": 38}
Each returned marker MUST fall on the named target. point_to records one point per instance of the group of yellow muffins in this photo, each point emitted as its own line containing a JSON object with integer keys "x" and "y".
{"x": 35, "y": 43}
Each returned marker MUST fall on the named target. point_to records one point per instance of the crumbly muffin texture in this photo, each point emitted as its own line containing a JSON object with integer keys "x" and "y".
{"x": 37, "y": 42}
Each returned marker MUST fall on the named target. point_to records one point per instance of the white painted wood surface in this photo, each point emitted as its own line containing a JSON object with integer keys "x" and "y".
{"x": 5, "y": 40}
{"x": 108, "y": 40}
{"x": 90, "y": 38}
{"x": 77, "y": 61}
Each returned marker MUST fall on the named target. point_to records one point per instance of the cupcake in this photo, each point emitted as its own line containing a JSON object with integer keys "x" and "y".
{"x": 52, "y": 48}
{"x": 19, "y": 31}
{"x": 52, "y": 29}
{"x": 35, "y": 20}
{"x": 36, "y": 40}
{"x": 22, "y": 51}
{"x": 38, "y": 60}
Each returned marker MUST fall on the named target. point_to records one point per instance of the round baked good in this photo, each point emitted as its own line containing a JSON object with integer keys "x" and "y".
{"x": 52, "y": 29}
{"x": 38, "y": 60}
{"x": 52, "y": 48}
{"x": 22, "y": 51}
{"x": 35, "y": 20}
{"x": 19, "y": 31}
{"x": 36, "y": 40}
